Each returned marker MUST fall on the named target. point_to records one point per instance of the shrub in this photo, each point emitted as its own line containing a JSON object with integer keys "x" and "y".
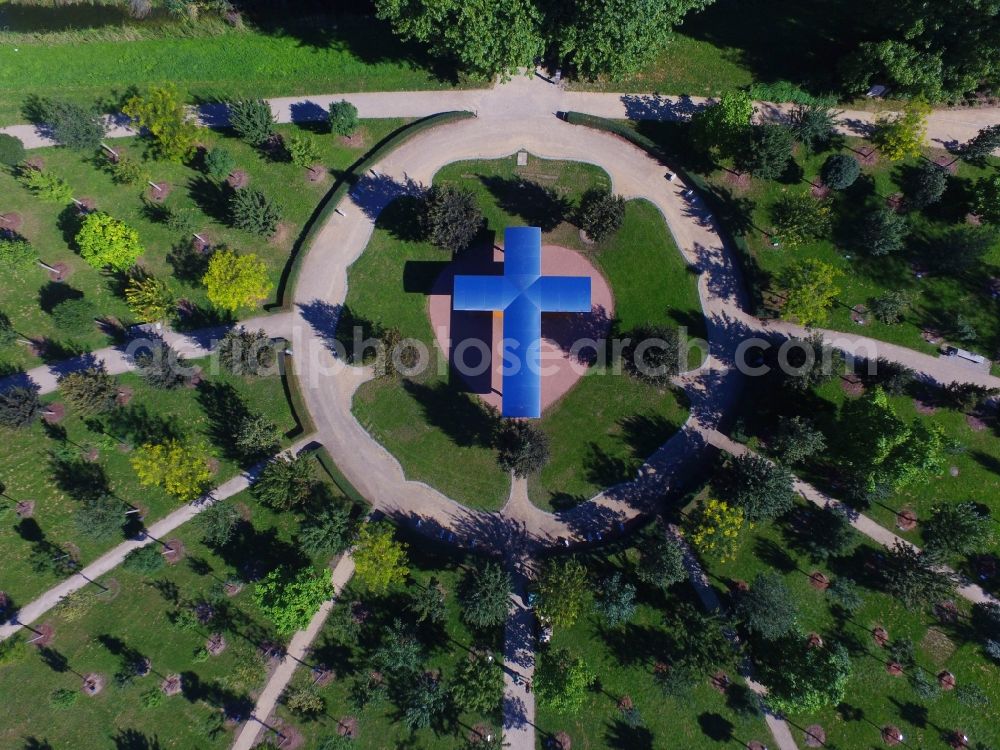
{"x": 343, "y": 118}
{"x": 901, "y": 136}
{"x": 981, "y": 146}
{"x": 304, "y": 702}
{"x": 100, "y": 518}
{"x": 179, "y": 468}
{"x": 19, "y": 405}
{"x": 767, "y": 609}
{"x": 601, "y": 214}
{"x": 840, "y": 171}
{"x": 45, "y": 185}
{"x": 714, "y": 529}
{"x": 217, "y": 523}
{"x": 162, "y": 113}
{"x": 285, "y": 483}
{"x": 219, "y": 163}
{"x": 768, "y": 151}
{"x": 127, "y": 171}
{"x": 11, "y": 150}
{"x": 926, "y": 185}
{"x": 330, "y": 531}
{"x": 234, "y": 282}
{"x": 763, "y": 490}
{"x": 797, "y": 439}
{"x": 151, "y": 698}
{"x": 75, "y": 316}
{"x": 76, "y": 127}
{"x": 252, "y": 211}
{"x": 252, "y": 120}
{"x": 145, "y": 560}
{"x": 799, "y": 219}
{"x": 17, "y": 254}
{"x": 813, "y": 125}
{"x": 161, "y": 367}
{"x": 63, "y": 698}
{"x": 890, "y": 306}
{"x": 247, "y": 353}
{"x": 106, "y": 242}
{"x": 963, "y": 528}
{"x": 149, "y": 298}
{"x": 809, "y": 287}
{"x": 90, "y": 390}
{"x": 522, "y": 448}
{"x": 302, "y": 150}
{"x": 561, "y": 680}
{"x": 290, "y": 598}
{"x": 615, "y": 601}
{"x": 450, "y": 217}
{"x": 256, "y": 437}
{"x": 652, "y": 354}
{"x": 485, "y": 595}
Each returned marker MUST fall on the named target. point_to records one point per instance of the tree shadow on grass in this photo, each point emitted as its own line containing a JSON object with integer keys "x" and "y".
{"x": 225, "y": 409}
{"x": 716, "y": 727}
{"x": 622, "y": 736}
{"x": 645, "y": 433}
{"x": 537, "y": 205}
{"x": 82, "y": 480}
{"x": 606, "y": 470}
{"x": 401, "y": 218}
{"x": 464, "y": 420}
{"x": 188, "y": 263}
{"x": 133, "y": 739}
{"x": 211, "y": 197}
{"x": 52, "y": 293}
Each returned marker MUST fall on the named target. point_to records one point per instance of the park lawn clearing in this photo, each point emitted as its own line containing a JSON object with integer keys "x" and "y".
{"x": 379, "y": 724}
{"x": 873, "y": 697}
{"x": 194, "y": 415}
{"x": 51, "y": 228}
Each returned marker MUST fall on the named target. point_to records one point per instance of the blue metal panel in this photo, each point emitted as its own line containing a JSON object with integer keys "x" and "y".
{"x": 562, "y": 293}
{"x": 522, "y": 332}
{"x": 522, "y": 253}
{"x": 481, "y": 293}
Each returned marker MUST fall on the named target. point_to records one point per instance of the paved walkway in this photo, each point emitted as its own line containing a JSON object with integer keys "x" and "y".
{"x": 111, "y": 559}
{"x": 945, "y": 126}
{"x": 519, "y": 670}
{"x": 296, "y": 654}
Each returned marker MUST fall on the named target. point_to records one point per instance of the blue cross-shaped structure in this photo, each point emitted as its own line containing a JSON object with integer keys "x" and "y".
{"x": 521, "y": 295}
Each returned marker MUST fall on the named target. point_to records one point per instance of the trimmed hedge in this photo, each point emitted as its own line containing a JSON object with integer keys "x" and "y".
{"x": 752, "y": 272}
{"x": 343, "y": 185}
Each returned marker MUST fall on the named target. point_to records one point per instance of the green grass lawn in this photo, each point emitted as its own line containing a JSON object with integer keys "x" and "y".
{"x": 283, "y": 55}
{"x": 51, "y": 227}
{"x": 31, "y": 471}
{"x": 379, "y": 724}
{"x": 623, "y": 660}
{"x": 427, "y": 417}
{"x": 939, "y": 298}
{"x": 873, "y": 697}
{"x": 133, "y": 614}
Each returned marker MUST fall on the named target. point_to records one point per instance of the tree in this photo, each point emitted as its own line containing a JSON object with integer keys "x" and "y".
{"x": 126, "y": 171}
{"x": 144, "y": 561}
{"x": 964, "y": 528}
{"x": 450, "y": 217}
{"x": 46, "y": 185}
{"x": 725, "y": 124}
{"x": 247, "y": 353}
{"x": 425, "y": 702}
{"x": 75, "y": 316}
{"x": 234, "y": 282}
{"x": 380, "y": 562}
{"x": 810, "y": 291}
{"x": 805, "y": 679}
{"x": 813, "y": 126}
{"x": 561, "y": 680}
{"x": 162, "y": 113}
{"x": 218, "y": 523}
{"x": 714, "y": 529}
{"x": 521, "y": 447}
{"x": 252, "y": 120}
{"x": 399, "y": 651}
{"x": 17, "y": 255}
{"x": 890, "y": 306}
{"x": 829, "y": 535}
{"x": 180, "y": 469}
{"x": 845, "y": 595}
{"x": 601, "y": 214}
{"x": 100, "y": 518}
{"x": 471, "y": 37}
{"x": 563, "y": 592}
{"x": 799, "y": 219}
{"x": 926, "y": 185}
{"x": 327, "y": 532}
{"x": 289, "y": 598}
{"x": 343, "y": 118}
{"x": 913, "y": 577}
{"x": 986, "y": 198}
{"x": 254, "y": 212}
{"x": 762, "y": 489}
{"x": 285, "y": 483}
{"x": 883, "y": 232}
{"x": 767, "y": 609}
{"x": 161, "y": 366}
{"x": 652, "y": 354}
{"x": 219, "y": 163}
{"x": 485, "y": 596}
{"x": 615, "y": 601}
{"x": 902, "y": 136}
{"x": 478, "y": 684}
{"x": 19, "y": 405}
{"x": 304, "y": 702}
{"x": 302, "y": 150}
{"x": 256, "y": 437}
{"x": 981, "y": 146}
{"x": 428, "y": 603}
{"x": 661, "y": 559}
{"x": 90, "y": 390}
{"x": 149, "y": 298}
{"x": 12, "y": 150}
{"x": 840, "y": 171}
{"x": 797, "y": 439}
{"x": 74, "y": 126}
{"x": 106, "y": 242}
{"x": 768, "y": 150}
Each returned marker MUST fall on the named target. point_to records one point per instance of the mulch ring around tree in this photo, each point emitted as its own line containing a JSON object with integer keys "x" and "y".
{"x": 348, "y": 727}
{"x": 819, "y": 581}
{"x": 894, "y": 668}
{"x": 815, "y": 736}
{"x": 272, "y": 652}
{"x": 124, "y": 395}
{"x": 852, "y": 384}
{"x": 86, "y": 205}
{"x": 232, "y": 588}
{"x": 54, "y": 413}
{"x": 859, "y": 314}
{"x": 738, "y": 179}
{"x": 322, "y": 675}
{"x": 173, "y": 552}
{"x": 281, "y": 234}
{"x": 58, "y": 272}
{"x": 112, "y": 588}
{"x": 881, "y": 635}
{"x": 820, "y": 191}
{"x": 815, "y": 640}
{"x": 895, "y": 202}
{"x": 215, "y": 644}
{"x": 924, "y": 407}
{"x": 946, "y": 680}
{"x": 976, "y": 423}
{"x": 195, "y": 380}
{"x": 45, "y": 635}
{"x": 158, "y": 192}
{"x": 867, "y": 156}
{"x": 93, "y": 683}
{"x": 906, "y": 519}
{"x": 35, "y": 162}
{"x": 720, "y": 681}
{"x": 561, "y": 741}
{"x": 201, "y": 243}
{"x": 244, "y": 510}
{"x": 948, "y": 163}
{"x": 756, "y": 745}
{"x": 12, "y": 221}
{"x": 974, "y": 220}
{"x": 92, "y": 454}
{"x": 172, "y": 685}
{"x": 946, "y": 612}
{"x": 237, "y": 179}
{"x": 25, "y": 508}
{"x": 317, "y": 173}
{"x": 291, "y": 738}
